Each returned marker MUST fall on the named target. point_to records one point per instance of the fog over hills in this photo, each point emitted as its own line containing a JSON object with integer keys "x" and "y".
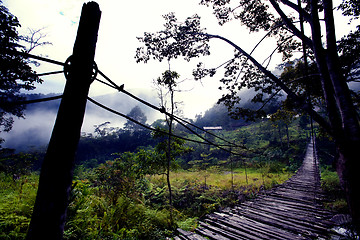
{"x": 35, "y": 129}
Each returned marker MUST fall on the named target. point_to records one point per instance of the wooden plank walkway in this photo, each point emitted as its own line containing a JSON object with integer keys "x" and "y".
{"x": 292, "y": 210}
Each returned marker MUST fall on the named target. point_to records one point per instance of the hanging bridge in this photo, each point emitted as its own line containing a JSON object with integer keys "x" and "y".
{"x": 292, "y": 210}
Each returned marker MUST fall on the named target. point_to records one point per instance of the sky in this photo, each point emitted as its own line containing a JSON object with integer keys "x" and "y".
{"x": 121, "y": 22}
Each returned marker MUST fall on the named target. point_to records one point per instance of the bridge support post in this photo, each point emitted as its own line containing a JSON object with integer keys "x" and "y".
{"x": 49, "y": 214}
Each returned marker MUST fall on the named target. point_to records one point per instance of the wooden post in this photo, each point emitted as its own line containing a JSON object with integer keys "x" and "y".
{"x": 49, "y": 215}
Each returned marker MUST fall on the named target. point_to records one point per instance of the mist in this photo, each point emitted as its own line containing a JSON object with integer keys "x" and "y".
{"x": 35, "y": 129}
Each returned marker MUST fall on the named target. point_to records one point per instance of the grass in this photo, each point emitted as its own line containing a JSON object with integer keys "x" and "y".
{"x": 91, "y": 215}
{"x": 223, "y": 179}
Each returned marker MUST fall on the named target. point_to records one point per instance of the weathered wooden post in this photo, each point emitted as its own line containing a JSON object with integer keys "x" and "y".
{"x": 56, "y": 175}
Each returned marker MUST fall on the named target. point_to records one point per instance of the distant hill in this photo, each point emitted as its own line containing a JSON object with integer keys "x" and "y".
{"x": 218, "y": 114}
{"x": 35, "y": 129}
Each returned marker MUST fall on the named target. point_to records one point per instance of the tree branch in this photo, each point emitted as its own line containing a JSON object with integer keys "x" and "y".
{"x": 320, "y": 56}
{"x": 300, "y": 102}
{"x": 296, "y": 7}
{"x": 290, "y": 25}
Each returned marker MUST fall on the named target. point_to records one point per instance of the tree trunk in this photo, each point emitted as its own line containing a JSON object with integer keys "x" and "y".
{"x": 168, "y": 155}
{"x": 347, "y": 167}
{"x": 280, "y": 136}
{"x": 287, "y": 135}
{"x": 326, "y": 84}
{"x": 341, "y": 111}
{"x": 341, "y": 89}
{"x": 348, "y": 163}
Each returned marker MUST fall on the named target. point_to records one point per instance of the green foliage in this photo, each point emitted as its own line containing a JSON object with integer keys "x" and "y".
{"x": 330, "y": 182}
{"x": 335, "y": 195}
{"x": 349, "y": 49}
{"x": 283, "y": 115}
{"x": 218, "y": 116}
{"x": 168, "y": 79}
{"x": 16, "y": 203}
{"x": 125, "y": 175}
{"x": 189, "y": 40}
{"x": 92, "y": 216}
{"x": 16, "y": 165}
{"x": 119, "y": 200}
{"x": 127, "y": 197}
{"x": 108, "y": 140}
{"x": 177, "y": 149}
{"x": 195, "y": 198}
{"x": 350, "y": 8}
{"x": 188, "y": 224}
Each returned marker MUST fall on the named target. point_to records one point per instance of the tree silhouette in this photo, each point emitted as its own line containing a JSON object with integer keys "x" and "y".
{"x": 168, "y": 81}
{"x": 16, "y": 73}
{"x": 137, "y": 114}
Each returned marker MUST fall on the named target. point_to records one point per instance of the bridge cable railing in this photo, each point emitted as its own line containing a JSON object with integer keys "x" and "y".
{"x": 162, "y": 109}
{"x": 122, "y": 115}
{"x": 159, "y": 130}
{"x": 38, "y": 100}
{"x": 121, "y": 88}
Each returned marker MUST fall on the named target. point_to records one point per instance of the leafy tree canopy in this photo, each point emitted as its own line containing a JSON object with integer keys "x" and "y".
{"x": 350, "y": 8}
{"x": 188, "y": 39}
{"x": 15, "y": 71}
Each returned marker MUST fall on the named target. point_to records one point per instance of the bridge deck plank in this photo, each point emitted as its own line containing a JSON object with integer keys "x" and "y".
{"x": 292, "y": 210}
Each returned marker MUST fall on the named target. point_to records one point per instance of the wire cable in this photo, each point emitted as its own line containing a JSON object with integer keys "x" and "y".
{"x": 162, "y": 110}
{"x": 211, "y": 143}
{"x": 33, "y": 101}
{"x": 212, "y": 134}
{"x": 49, "y": 73}
{"x": 158, "y": 130}
{"x": 28, "y": 55}
{"x": 121, "y": 89}
{"x": 137, "y": 122}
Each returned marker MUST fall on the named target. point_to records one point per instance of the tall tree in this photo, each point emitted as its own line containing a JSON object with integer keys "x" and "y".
{"x": 168, "y": 82}
{"x": 283, "y": 117}
{"x": 137, "y": 114}
{"x": 15, "y": 72}
{"x": 275, "y": 17}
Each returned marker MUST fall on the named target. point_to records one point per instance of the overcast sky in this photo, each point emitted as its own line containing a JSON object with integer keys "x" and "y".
{"x": 123, "y": 21}
{"x": 119, "y": 26}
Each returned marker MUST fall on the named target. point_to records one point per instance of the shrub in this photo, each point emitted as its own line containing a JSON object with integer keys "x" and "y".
{"x": 96, "y": 219}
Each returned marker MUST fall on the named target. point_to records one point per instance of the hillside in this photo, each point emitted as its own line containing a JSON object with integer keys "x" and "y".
{"x": 125, "y": 195}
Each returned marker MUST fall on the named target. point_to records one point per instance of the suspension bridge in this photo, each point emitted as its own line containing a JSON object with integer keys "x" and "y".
{"x": 292, "y": 210}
